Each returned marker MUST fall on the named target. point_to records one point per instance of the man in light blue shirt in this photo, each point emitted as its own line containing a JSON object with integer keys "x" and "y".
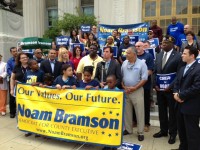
{"x": 134, "y": 76}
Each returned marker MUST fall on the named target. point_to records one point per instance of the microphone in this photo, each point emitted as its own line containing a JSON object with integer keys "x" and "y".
{"x": 103, "y": 63}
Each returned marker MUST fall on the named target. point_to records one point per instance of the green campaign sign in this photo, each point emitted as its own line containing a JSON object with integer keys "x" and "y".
{"x": 35, "y": 42}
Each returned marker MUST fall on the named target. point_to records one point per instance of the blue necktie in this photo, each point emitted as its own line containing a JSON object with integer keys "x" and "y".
{"x": 185, "y": 70}
{"x": 106, "y": 67}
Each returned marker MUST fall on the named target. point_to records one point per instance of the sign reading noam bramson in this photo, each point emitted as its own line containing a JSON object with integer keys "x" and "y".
{"x": 91, "y": 116}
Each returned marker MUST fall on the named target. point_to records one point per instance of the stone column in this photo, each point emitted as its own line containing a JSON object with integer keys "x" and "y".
{"x": 118, "y": 12}
{"x": 11, "y": 31}
{"x": 34, "y": 17}
{"x": 68, "y": 6}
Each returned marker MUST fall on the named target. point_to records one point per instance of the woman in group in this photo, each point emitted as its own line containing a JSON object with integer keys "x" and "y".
{"x": 190, "y": 41}
{"x": 19, "y": 71}
{"x": 91, "y": 38}
{"x": 63, "y": 56}
{"x": 83, "y": 37}
{"x": 110, "y": 41}
{"x": 3, "y": 87}
{"x": 74, "y": 37}
{"x": 77, "y": 55}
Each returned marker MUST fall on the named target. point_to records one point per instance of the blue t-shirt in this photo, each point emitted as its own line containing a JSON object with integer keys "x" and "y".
{"x": 34, "y": 76}
{"x": 147, "y": 57}
{"x": 107, "y": 88}
{"x": 121, "y": 51}
{"x": 70, "y": 81}
{"x": 93, "y": 83}
{"x": 175, "y": 30}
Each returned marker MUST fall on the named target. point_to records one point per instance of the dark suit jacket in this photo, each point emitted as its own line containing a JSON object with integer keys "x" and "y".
{"x": 113, "y": 69}
{"x": 173, "y": 64}
{"x": 46, "y": 67}
{"x": 188, "y": 88}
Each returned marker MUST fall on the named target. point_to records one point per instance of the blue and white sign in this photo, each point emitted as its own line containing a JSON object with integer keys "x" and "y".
{"x": 115, "y": 51}
{"x": 134, "y": 39}
{"x": 62, "y": 40}
{"x": 85, "y": 28}
{"x": 81, "y": 45}
{"x": 198, "y": 59}
{"x": 139, "y": 29}
{"x": 154, "y": 42}
{"x": 129, "y": 146}
{"x": 151, "y": 51}
{"x": 164, "y": 80}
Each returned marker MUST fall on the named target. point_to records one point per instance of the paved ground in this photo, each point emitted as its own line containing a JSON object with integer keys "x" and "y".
{"x": 13, "y": 139}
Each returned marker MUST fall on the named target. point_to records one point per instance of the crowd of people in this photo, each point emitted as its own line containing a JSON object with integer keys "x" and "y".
{"x": 134, "y": 71}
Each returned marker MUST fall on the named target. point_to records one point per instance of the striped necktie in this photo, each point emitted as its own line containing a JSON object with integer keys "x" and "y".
{"x": 164, "y": 60}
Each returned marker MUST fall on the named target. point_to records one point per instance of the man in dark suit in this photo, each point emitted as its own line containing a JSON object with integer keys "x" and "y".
{"x": 38, "y": 56}
{"x": 187, "y": 94}
{"x": 51, "y": 65}
{"x": 168, "y": 61}
{"x": 109, "y": 67}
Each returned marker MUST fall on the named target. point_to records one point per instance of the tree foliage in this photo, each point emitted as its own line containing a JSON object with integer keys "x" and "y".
{"x": 68, "y": 23}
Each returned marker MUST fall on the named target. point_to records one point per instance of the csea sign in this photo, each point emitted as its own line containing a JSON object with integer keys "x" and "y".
{"x": 164, "y": 80}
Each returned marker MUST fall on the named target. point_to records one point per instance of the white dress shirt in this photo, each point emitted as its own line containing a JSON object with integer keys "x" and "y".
{"x": 168, "y": 54}
{"x": 3, "y": 74}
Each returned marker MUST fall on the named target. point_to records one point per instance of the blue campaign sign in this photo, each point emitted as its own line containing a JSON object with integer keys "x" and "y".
{"x": 62, "y": 40}
{"x": 164, "y": 80}
{"x": 81, "y": 45}
{"x": 139, "y": 29}
{"x": 151, "y": 51}
{"x": 115, "y": 50}
{"x": 154, "y": 42}
{"x": 134, "y": 39}
{"x": 198, "y": 59}
{"x": 129, "y": 146}
{"x": 30, "y": 51}
{"x": 85, "y": 28}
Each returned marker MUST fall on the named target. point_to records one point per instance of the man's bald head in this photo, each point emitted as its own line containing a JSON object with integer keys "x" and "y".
{"x": 139, "y": 47}
{"x": 187, "y": 28}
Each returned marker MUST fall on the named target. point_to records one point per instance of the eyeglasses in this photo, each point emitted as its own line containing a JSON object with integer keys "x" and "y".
{"x": 137, "y": 46}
